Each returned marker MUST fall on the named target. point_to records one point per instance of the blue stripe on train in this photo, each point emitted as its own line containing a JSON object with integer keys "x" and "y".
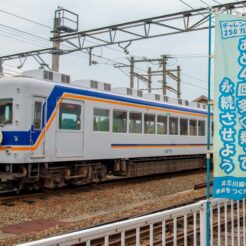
{"x": 58, "y": 90}
{"x": 24, "y": 137}
{"x": 136, "y": 145}
{"x": 21, "y": 138}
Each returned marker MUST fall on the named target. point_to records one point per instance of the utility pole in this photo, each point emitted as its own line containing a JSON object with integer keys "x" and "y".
{"x": 132, "y": 72}
{"x": 164, "y": 75}
{"x": 178, "y": 82}
{"x": 149, "y": 80}
{"x": 164, "y": 72}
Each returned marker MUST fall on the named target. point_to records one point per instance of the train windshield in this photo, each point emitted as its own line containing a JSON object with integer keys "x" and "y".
{"x": 6, "y": 111}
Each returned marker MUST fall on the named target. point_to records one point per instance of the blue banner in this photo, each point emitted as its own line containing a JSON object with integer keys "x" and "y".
{"x": 230, "y": 107}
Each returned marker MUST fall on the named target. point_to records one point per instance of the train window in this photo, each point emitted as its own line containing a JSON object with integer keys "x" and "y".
{"x": 149, "y": 124}
{"x": 6, "y": 111}
{"x": 193, "y": 127}
{"x": 161, "y": 124}
{"x": 119, "y": 121}
{"x": 183, "y": 126}
{"x": 173, "y": 126}
{"x": 135, "y": 122}
{"x": 37, "y": 119}
{"x": 69, "y": 116}
{"x": 201, "y": 128}
{"x": 101, "y": 120}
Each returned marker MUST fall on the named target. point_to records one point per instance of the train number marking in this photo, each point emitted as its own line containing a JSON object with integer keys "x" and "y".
{"x": 168, "y": 151}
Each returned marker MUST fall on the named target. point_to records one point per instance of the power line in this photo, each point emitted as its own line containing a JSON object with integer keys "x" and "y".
{"x": 24, "y": 32}
{"x": 193, "y": 85}
{"x": 22, "y": 40}
{"x": 23, "y": 18}
{"x": 17, "y": 33}
{"x": 112, "y": 62}
{"x": 11, "y": 70}
{"x": 10, "y": 74}
{"x": 194, "y": 8}
{"x": 186, "y": 4}
{"x": 205, "y": 3}
{"x": 47, "y": 40}
{"x": 216, "y": 1}
{"x": 8, "y": 65}
{"x": 194, "y": 78}
{"x": 124, "y": 72}
{"x": 41, "y": 38}
{"x": 191, "y": 56}
{"x": 48, "y": 27}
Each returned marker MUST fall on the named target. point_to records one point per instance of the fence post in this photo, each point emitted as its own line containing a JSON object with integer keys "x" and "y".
{"x": 203, "y": 227}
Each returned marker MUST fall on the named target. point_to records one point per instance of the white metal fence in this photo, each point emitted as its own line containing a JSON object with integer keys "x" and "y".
{"x": 180, "y": 226}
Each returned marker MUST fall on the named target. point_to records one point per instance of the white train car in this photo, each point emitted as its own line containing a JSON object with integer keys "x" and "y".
{"x": 54, "y": 132}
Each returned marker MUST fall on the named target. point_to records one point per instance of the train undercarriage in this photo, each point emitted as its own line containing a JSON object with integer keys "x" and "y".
{"x": 52, "y": 175}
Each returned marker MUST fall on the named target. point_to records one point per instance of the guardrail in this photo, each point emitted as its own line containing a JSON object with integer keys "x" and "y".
{"x": 180, "y": 226}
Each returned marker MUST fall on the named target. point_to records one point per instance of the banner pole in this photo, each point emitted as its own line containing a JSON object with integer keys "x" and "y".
{"x": 208, "y": 132}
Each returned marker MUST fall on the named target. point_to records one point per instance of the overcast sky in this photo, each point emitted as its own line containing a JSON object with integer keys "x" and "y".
{"x": 99, "y": 13}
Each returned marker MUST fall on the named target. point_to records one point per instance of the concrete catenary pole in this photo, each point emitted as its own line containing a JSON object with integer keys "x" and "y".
{"x": 164, "y": 75}
{"x": 178, "y": 82}
{"x": 149, "y": 80}
{"x": 132, "y": 72}
{"x": 56, "y": 45}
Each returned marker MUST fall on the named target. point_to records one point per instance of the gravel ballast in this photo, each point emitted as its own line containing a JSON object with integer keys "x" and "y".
{"x": 101, "y": 204}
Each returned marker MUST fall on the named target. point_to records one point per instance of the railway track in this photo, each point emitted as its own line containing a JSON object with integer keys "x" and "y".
{"x": 7, "y": 195}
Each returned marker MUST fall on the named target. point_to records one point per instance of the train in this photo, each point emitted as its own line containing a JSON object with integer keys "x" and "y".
{"x": 55, "y": 132}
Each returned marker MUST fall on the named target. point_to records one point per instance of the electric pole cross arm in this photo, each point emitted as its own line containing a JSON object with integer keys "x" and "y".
{"x": 29, "y": 53}
{"x": 24, "y": 55}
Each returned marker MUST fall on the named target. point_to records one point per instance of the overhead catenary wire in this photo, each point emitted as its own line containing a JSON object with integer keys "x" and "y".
{"x": 194, "y": 78}
{"x": 36, "y": 37}
{"x": 124, "y": 72}
{"x": 111, "y": 61}
{"x": 8, "y": 65}
{"x": 42, "y": 41}
{"x": 23, "y": 32}
{"x": 46, "y": 26}
{"x": 24, "y": 18}
{"x": 185, "y": 3}
{"x": 216, "y": 2}
{"x": 10, "y": 74}
{"x": 12, "y": 71}
{"x": 205, "y": 3}
{"x": 23, "y": 40}
{"x": 191, "y": 56}
{"x": 221, "y": 4}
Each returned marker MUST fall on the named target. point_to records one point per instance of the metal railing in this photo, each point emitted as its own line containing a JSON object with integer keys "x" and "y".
{"x": 180, "y": 226}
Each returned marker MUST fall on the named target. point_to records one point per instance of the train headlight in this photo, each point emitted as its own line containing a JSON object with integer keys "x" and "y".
{"x": 1, "y": 137}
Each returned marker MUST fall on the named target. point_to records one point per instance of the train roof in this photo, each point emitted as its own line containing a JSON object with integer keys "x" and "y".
{"x": 44, "y": 78}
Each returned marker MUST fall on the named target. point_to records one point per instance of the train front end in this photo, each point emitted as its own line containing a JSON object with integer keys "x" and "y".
{"x": 13, "y": 131}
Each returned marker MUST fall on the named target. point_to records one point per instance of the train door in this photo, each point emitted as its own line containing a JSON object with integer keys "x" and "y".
{"x": 37, "y": 133}
{"x": 70, "y": 129}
